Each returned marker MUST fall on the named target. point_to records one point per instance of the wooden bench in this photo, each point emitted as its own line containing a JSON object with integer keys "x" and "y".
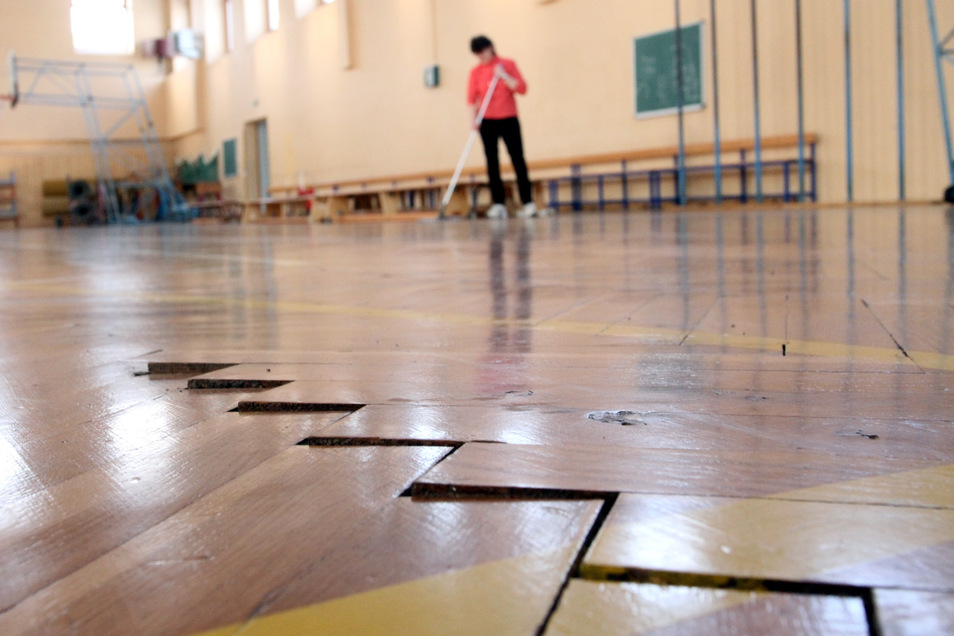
{"x": 288, "y": 204}
{"x": 218, "y": 210}
{"x": 391, "y": 197}
{"x": 209, "y": 206}
{"x": 278, "y": 209}
{"x": 8, "y": 200}
{"x": 647, "y": 176}
{"x": 69, "y": 201}
{"x": 399, "y": 197}
{"x": 406, "y": 196}
{"x": 636, "y": 182}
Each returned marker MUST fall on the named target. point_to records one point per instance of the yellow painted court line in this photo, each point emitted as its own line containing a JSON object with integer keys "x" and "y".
{"x": 768, "y": 539}
{"x": 624, "y": 609}
{"x": 786, "y": 536}
{"x": 621, "y": 609}
{"x": 927, "y": 488}
{"x": 505, "y": 596}
{"x": 923, "y": 359}
{"x": 808, "y": 347}
{"x": 508, "y": 596}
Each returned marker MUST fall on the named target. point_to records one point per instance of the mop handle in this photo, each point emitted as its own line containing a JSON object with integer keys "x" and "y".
{"x": 486, "y": 102}
{"x": 470, "y": 142}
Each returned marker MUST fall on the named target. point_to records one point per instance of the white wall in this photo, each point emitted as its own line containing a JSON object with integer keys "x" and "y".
{"x": 342, "y": 88}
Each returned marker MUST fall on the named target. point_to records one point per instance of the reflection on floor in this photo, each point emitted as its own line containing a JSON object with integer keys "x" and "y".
{"x": 719, "y": 422}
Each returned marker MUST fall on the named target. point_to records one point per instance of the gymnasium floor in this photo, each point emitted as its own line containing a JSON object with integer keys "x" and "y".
{"x": 716, "y": 422}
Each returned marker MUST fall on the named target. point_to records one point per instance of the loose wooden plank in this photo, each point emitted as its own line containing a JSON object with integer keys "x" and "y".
{"x": 45, "y": 457}
{"x": 779, "y": 315}
{"x": 103, "y": 388}
{"x": 916, "y": 326}
{"x": 596, "y": 309}
{"x": 479, "y": 467}
{"x": 908, "y": 612}
{"x": 46, "y": 535}
{"x": 860, "y": 437}
{"x": 631, "y": 608}
{"x": 535, "y": 544}
{"x": 306, "y": 526}
{"x": 487, "y": 385}
{"x": 771, "y": 542}
{"x": 454, "y": 603}
{"x": 675, "y": 364}
{"x": 757, "y": 373}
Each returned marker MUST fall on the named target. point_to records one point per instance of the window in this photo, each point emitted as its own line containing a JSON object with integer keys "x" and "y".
{"x": 256, "y": 20}
{"x": 229, "y": 11}
{"x": 273, "y": 16}
{"x": 303, "y": 7}
{"x": 103, "y": 27}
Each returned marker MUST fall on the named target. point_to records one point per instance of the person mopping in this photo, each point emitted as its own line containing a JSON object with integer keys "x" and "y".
{"x": 500, "y": 121}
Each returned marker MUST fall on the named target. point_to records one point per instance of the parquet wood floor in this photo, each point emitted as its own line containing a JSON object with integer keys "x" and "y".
{"x": 715, "y": 422}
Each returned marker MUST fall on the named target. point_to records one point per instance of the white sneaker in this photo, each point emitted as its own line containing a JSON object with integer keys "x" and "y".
{"x": 497, "y": 211}
{"x": 528, "y": 211}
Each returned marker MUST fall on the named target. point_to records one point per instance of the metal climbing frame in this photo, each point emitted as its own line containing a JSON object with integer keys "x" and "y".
{"x": 126, "y": 148}
{"x": 943, "y": 50}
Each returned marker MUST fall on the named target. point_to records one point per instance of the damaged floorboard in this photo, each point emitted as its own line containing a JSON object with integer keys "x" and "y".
{"x": 583, "y": 424}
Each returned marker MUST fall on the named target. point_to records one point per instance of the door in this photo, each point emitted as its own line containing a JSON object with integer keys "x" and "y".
{"x": 256, "y": 158}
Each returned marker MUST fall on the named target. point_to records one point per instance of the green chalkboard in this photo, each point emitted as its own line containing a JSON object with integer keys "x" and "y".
{"x": 656, "y": 72}
{"x": 231, "y": 157}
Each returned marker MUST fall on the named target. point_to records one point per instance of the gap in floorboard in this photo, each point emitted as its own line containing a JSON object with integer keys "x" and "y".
{"x": 599, "y": 574}
{"x": 233, "y": 384}
{"x": 165, "y": 377}
{"x": 183, "y": 368}
{"x": 609, "y": 500}
{"x": 407, "y": 492}
{"x": 376, "y": 441}
{"x": 871, "y": 612}
{"x": 360, "y": 442}
{"x": 455, "y": 491}
{"x": 252, "y": 406}
{"x": 615, "y": 574}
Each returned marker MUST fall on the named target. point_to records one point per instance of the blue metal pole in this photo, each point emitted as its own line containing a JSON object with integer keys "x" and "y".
{"x": 681, "y": 195}
{"x": 757, "y": 105}
{"x": 941, "y": 87}
{"x": 715, "y": 104}
{"x": 801, "y": 100}
{"x": 899, "y": 20}
{"x": 849, "y": 132}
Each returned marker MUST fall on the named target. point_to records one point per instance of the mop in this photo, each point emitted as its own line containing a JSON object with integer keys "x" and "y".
{"x": 467, "y": 146}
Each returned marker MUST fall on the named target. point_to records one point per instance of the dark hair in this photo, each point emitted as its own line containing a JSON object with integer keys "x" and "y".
{"x": 480, "y": 43}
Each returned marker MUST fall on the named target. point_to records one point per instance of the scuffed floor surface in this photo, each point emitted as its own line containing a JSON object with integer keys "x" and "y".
{"x": 716, "y": 422}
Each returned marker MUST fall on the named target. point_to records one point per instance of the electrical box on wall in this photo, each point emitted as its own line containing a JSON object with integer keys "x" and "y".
{"x": 432, "y": 76}
{"x": 187, "y": 43}
{"x": 161, "y": 48}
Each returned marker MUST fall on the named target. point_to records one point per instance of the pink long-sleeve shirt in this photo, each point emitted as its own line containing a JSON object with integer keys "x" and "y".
{"x": 502, "y": 104}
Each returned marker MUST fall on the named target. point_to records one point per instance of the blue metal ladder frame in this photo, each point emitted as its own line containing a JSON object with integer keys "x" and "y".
{"x": 113, "y": 100}
{"x": 942, "y": 48}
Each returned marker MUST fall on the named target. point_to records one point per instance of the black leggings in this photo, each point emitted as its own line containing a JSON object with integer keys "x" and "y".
{"x": 491, "y": 130}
